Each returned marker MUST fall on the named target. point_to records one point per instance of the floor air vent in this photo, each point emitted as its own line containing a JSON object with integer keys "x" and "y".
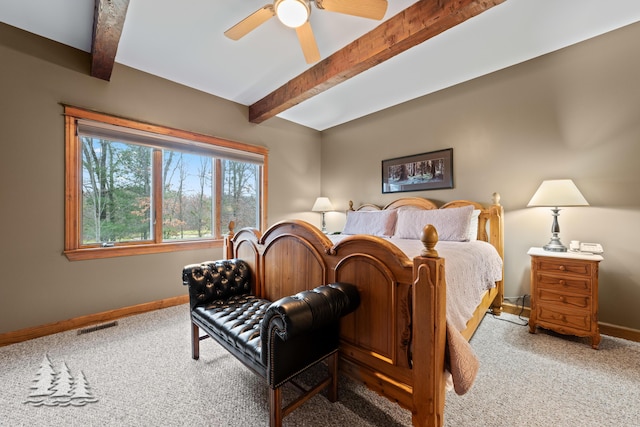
{"x": 97, "y": 327}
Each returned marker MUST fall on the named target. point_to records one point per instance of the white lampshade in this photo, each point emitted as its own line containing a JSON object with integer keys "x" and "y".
{"x": 558, "y": 192}
{"x": 293, "y": 13}
{"x": 322, "y": 204}
{"x": 554, "y": 194}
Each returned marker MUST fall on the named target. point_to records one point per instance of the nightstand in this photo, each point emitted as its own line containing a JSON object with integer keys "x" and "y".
{"x": 564, "y": 293}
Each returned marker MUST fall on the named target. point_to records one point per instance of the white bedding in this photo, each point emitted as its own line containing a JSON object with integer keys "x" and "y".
{"x": 471, "y": 268}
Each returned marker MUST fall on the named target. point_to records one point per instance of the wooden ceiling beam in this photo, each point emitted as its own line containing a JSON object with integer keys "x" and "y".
{"x": 108, "y": 21}
{"x": 414, "y": 25}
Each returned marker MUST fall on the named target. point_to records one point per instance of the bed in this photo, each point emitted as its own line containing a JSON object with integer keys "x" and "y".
{"x": 399, "y": 341}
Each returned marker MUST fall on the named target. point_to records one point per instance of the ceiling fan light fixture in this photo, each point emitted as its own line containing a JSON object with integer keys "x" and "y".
{"x": 292, "y": 13}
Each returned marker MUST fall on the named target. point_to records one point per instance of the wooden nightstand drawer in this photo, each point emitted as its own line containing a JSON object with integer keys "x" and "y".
{"x": 567, "y": 322}
{"x": 563, "y": 299}
{"x": 563, "y": 283}
{"x": 557, "y": 265}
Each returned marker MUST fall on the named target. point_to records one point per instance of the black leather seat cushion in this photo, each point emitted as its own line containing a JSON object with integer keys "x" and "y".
{"x": 236, "y": 324}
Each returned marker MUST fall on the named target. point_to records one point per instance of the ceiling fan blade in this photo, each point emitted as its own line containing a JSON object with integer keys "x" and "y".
{"x": 372, "y": 9}
{"x": 308, "y": 43}
{"x": 250, "y": 23}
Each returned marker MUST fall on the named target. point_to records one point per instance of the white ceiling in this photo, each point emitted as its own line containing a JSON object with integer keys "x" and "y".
{"x": 183, "y": 41}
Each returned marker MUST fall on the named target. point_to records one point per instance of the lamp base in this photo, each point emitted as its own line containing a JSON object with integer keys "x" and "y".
{"x": 324, "y": 224}
{"x": 555, "y": 245}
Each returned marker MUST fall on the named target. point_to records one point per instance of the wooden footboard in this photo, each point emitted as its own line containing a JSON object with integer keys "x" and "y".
{"x": 394, "y": 342}
{"x": 398, "y": 333}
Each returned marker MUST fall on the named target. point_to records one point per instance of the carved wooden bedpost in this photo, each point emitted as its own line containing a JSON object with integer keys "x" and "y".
{"x": 429, "y": 239}
{"x": 227, "y": 251}
{"x": 429, "y": 323}
{"x": 496, "y": 238}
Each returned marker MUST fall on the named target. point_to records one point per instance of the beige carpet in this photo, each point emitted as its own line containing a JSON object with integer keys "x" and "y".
{"x": 140, "y": 373}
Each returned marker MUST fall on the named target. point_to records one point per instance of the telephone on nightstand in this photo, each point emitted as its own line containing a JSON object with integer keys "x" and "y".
{"x": 591, "y": 248}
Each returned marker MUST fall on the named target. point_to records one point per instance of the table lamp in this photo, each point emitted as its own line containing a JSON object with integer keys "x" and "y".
{"x": 323, "y": 205}
{"x": 557, "y": 193}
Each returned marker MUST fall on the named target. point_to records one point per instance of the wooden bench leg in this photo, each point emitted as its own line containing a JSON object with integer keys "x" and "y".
{"x": 195, "y": 341}
{"x": 275, "y": 407}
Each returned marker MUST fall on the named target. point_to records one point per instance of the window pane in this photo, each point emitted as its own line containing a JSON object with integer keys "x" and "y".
{"x": 116, "y": 192}
{"x": 240, "y": 194}
{"x": 187, "y": 207}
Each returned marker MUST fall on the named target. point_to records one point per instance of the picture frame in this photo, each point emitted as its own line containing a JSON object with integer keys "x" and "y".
{"x": 425, "y": 171}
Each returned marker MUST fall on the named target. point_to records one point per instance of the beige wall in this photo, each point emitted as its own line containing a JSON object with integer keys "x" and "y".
{"x": 38, "y": 285}
{"x": 573, "y": 114}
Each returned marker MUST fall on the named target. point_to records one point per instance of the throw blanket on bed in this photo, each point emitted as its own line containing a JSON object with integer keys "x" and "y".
{"x": 460, "y": 360}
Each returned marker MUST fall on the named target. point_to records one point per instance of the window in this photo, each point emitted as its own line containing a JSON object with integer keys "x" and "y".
{"x": 135, "y": 188}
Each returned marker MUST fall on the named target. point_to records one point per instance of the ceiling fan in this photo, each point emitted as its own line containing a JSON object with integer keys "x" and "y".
{"x": 295, "y": 14}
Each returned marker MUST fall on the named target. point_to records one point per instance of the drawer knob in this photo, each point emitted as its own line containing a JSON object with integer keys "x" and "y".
{"x": 563, "y": 299}
{"x": 562, "y": 282}
{"x": 562, "y": 268}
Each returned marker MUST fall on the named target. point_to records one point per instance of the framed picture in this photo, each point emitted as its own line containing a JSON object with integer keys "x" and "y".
{"x": 426, "y": 171}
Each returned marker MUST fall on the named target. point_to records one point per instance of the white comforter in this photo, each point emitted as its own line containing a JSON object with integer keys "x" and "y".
{"x": 471, "y": 268}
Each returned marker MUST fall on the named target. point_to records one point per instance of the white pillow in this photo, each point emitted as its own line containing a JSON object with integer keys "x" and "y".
{"x": 376, "y": 223}
{"x": 473, "y": 225}
{"x": 452, "y": 224}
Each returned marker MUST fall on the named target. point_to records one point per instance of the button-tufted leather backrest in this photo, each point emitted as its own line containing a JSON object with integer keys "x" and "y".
{"x": 217, "y": 280}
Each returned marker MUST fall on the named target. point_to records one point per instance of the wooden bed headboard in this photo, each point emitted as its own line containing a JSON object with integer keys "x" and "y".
{"x": 490, "y": 220}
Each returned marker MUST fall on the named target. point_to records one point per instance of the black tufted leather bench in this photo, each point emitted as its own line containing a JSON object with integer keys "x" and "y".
{"x": 277, "y": 340}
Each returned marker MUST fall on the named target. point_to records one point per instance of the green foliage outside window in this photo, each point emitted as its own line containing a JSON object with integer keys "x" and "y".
{"x": 118, "y": 199}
